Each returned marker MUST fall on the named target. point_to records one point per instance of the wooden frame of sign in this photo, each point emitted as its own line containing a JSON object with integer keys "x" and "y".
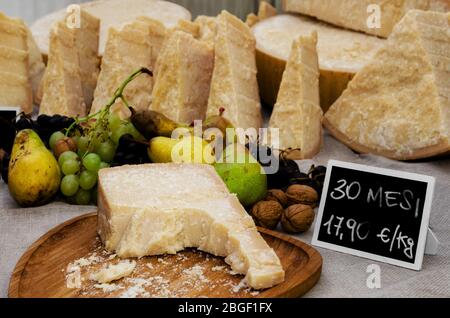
{"x": 375, "y": 213}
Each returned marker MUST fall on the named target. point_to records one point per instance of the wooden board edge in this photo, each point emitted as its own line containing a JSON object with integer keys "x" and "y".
{"x": 440, "y": 149}
{"x": 314, "y": 257}
{"x": 13, "y": 289}
{"x": 314, "y": 265}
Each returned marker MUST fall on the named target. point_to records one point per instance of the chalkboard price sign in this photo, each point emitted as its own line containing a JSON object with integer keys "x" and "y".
{"x": 375, "y": 213}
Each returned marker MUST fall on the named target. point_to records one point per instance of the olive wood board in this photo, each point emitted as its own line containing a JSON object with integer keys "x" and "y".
{"x": 42, "y": 271}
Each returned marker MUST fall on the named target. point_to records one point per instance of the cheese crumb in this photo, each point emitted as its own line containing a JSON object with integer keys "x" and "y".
{"x": 114, "y": 272}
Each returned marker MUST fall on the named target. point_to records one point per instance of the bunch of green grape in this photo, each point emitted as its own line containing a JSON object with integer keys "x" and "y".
{"x": 95, "y": 150}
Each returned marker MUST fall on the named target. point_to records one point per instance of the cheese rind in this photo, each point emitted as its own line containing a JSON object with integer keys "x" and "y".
{"x": 399, "y": 104}
{"x": 297, "y": 113}
{"x": 184, "y": 70}
{"x": 234, "y": 86}
{"x": 61, "y": 85}
{"x": 113, "y": 14}
{"x": 342, "y": 53}
{"x": 189, "y": 206}
{"x": 358, "y": 14}
{"x": 127, "y": 50}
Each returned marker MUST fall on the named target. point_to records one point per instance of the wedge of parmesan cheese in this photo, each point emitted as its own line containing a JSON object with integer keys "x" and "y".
{"x": 184, "y": 69}
{"x": 113, "y": 13}
{"x": 266, "y": 10}
{"x": 36, "y": 65}
{"x": 127, "y": 50}
{"x": 189, "y": 27}
{"x": 15, "y": 86}
{"x": 341, "y": 54}
{"x": 189, "y": 206}
{"x": 398, "y": 105}
{"x": 207, "y": 29}
{"x": 157, "y": 35}
{"x": 62, "y": 87}
{"x": 234, "y": 86}
{"x": 297, "y": 114}
{"x": 377, "y": 17}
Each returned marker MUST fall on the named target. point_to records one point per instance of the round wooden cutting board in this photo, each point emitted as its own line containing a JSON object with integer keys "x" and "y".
{"x": 60, "y": 263}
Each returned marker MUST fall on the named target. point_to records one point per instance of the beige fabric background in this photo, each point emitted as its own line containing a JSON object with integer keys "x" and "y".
{"x": 342, "y": 275}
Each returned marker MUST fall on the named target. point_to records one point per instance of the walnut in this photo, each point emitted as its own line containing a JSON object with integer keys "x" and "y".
{"x": 267, "y": 213}
{"x": 277, "y": 195}
{"x": 302, "y": 194}
{"x": 297, "y": 218}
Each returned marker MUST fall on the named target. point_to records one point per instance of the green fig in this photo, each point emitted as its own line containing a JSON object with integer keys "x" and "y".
{"x": 34, "y": 175}
{"x": 242, "y": 174}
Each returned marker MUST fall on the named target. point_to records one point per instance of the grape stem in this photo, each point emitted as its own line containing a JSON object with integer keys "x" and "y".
{"x": 117, "y": 94}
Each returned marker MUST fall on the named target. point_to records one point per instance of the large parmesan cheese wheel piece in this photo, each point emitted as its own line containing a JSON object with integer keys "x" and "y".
{"x": 297, "y": 114}
{"x": 342, "y": 53}
{"x": 114, "y": 13}
{"x": 398, "y": 105}
{"x": 184, "y": 69}
{"x": 363, "y": 15}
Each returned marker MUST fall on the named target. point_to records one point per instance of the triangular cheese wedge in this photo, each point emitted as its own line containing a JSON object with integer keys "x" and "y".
{"x": 62, "y": 88}
{"x": 184, "y": 69}
{"x": 234, "y": 86}
{"x": 297, "y": 114}
{"x": 398, "y": 105}
{"x": 207, "y": 29}
{"x": 190, "y": 206}
{"x": 126, "y": 51}
{"x": 15, "y": 86}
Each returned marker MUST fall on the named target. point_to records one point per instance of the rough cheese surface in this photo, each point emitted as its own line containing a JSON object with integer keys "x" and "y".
{"x": 175, "y": 206}
{"x": 354, "y": 14}
{"x": 184, "y": 69}
{"x": 15, "y": 86}
{"x": 297, "y": 113}
{"x": 114, "y": 272}
{"x": 61, "y": 85}
{"x": 127, "y": 50}
{"x": 399, "y": 104}
{"x": 234, "y": 86}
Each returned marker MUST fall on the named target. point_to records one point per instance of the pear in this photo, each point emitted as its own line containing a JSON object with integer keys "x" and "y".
{"x": 34, "y": 175}
{"x": 242, "y": 174}
{"x": 187, "y": 149}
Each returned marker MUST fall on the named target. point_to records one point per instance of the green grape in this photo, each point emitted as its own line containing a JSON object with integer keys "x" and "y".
{"x": 119, "y": 132}
{"x": 104, "y": 165}
{"x": 106, "y": 150}
{"x": 68, "y": 155}
{"x": 92, "y": 162}
{"x": 54, "y": 139}
{"x": 69, "y": 185}
{"x": 70, "y": 167}
{"x": 88, "y": 180}
{"x": 83, "y": 197}
{"x": 82, "y": 145}
{"x": 114, "y": 122}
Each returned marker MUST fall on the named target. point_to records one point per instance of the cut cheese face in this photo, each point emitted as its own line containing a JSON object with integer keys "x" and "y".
{"x": 83, "y": 42}
{"x": 36, "y": 64}
{"x": 113, "y": 14}
{"x": 189, "y": 206}
{"x": 297, "y": 113}
{"x": 61, "y": 86}
{"x": 342, "y": 53}
{"x": 398, "y": 105}
{"x": 358, "y": 15}
{"x": 127, "y": 50}
{"x": 184, "y": 69}
{"x": 15, "y": 86}
{"x": 158, "y": 33}
{"x": 234, "y": 86}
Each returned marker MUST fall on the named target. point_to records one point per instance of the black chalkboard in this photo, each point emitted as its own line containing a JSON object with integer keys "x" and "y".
{"x": 375, "y": 213}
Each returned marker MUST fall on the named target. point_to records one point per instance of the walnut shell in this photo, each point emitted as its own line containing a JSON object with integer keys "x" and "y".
{"x": 297, "y": 218}
{"x": 277, "y": 195}
{"x": 302, "y": 194}
{"x": 267, "y": 213}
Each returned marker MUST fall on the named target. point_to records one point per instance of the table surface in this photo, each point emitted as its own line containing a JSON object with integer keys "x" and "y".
{"x": 342, "y": 275}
